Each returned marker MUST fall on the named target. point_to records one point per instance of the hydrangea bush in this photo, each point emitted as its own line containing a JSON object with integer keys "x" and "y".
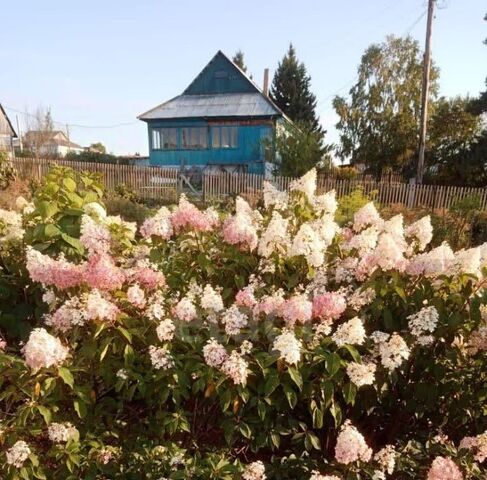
{"x": 255, "y": 344}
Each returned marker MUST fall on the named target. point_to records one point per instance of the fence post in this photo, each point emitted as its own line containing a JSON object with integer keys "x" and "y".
{"x": 411, "y": 192}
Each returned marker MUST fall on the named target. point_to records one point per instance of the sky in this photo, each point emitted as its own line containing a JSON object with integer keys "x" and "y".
{"x": 99, "y": 64}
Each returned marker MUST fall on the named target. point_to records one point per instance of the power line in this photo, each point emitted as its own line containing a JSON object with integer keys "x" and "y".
{"x": 76, "y": 125}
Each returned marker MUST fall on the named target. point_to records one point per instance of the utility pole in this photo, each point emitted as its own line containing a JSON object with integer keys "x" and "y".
{"x": 69, "y": 141}
{"x": 20, "y": 133}
{"x": 425, "y": 92}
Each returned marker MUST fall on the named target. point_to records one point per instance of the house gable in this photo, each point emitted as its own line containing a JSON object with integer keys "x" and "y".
{"x": 220, "y": 75}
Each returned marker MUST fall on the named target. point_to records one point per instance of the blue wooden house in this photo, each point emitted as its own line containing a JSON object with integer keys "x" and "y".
{"x": 222, "y": 121}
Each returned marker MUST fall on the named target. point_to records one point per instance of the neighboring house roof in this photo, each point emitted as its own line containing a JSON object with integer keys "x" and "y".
{"x": 221, "y": 90}
{"x": 54, "y": 138}
{"x": 7, "y": 123}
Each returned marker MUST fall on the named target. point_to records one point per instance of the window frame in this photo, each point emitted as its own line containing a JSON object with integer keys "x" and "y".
{"x": 203, "y": 133}
{"x": 161, "y": 138}
{"x": 218, "y": 129}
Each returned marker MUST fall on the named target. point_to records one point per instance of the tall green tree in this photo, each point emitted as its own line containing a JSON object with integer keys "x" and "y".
{"x": 239, "y": 60}
{"x": 452, "y": 133}
{"x": 291, "y": 91}
{"x": 379, "y": 122}
{"x": 299, "y": 148}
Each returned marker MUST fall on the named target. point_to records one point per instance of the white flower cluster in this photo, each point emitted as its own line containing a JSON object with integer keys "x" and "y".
{"x": 306, "y": 184}
{"x": 254, "y": 471}
{"x": 165, "y": 330}
{"x": 288, "y": 346}
{"x": 393, "y": 351}
{"x": 10, "y": 226}
{"x": 317, "y": 476}
{"x": 62, "y": 432}
{"x": 18, "y": 454}
{"x": 351, "y": 446}
{"x": 350, "y": 333}
{"x": 160, "y": 358}
{"x": 275, "y": 237}
{"x": 423, "y": 322}
{"x": 274, "y": 197}
{"x": 361, "y": 373}
{"x": 211, "y": 300}
{"x": 214, "y": 353}
{"x": 236, "y": 368}
{"x": 386, "y": 458}
{"x": 234, "y": 320}
{"x": 42, "y": 350}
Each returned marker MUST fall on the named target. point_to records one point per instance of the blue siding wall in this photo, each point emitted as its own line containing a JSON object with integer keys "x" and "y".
{"x": 249, "y": 150}
{"x": 220, "y": 76}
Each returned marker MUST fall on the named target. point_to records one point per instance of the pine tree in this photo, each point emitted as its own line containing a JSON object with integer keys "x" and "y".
{"x": 291, "y": 92}
{"x": 239, "y": 60}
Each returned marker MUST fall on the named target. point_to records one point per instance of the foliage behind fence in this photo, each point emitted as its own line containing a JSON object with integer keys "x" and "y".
{"x": 166, "y": 184}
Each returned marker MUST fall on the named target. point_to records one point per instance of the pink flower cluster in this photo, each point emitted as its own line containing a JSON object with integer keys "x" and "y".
{"x": 329, "y": 306}
{"x": 296, "y": 309}
{"x": 187, "y": 216}
{"x": 351, "y": 446}
{"x": 444, "y": 468}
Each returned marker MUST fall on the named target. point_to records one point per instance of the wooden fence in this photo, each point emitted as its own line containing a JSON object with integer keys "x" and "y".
{"x": 219, "y": 186}
{"x": 166, "y": 184}
{"x": 147, "y": 182}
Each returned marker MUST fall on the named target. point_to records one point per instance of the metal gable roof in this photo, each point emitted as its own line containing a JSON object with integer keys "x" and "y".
{"x": 216, "y": 105}
{"x": 253, "y": 103}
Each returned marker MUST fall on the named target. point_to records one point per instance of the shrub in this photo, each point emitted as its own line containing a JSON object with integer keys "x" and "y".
{"x": 252, "y": 344}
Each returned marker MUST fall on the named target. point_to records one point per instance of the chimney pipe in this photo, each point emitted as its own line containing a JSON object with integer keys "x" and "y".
{"x": 265, "y": 88}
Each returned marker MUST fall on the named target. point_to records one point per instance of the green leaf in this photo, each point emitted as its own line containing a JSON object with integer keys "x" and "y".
{"x": 46, "y": 413}
{"x": 67, "y": 376}
{"x": 271, "y": 383}
{"x": 73, "y": 242}
{"x": 80, "y": 408}
{"x": 312, "y": 440}
{"x": 349, "y": 392}
{"x": 333, "y": 363}
{"x": 51, "y": 231}
{"x": 69, "y": 184}
{"x": 291, "y": 396}
{"x": 295, "y": 374}
{"x": 47, "y": 209}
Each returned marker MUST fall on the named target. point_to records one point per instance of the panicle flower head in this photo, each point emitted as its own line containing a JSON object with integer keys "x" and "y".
{"x": 59, "y": 273}
{"x": 444, "y": 468}
{"x": 148, "y": 276}
{"x": 188, "y": 217}
{"x": 42, "y": 350}
{"x": 365, "y": 217}
{"x": 275, "y": 238}
{"x": 329, "y": 306}
{"x": 165, "y": 330}
{"x": 211, "y": 300}
{"x": 245, "y": 297}
{"x": 421, "y": 231}
{"x": 305, "y": 184}
{"x": 478, "y": 444}
{"x": 236, "y": 368}
{"x": 234, "y": 320}
{"x": 393, "y": 352}
{"x": 386, "y": 458}
{"x": 67, "y": 316}
{"x": 158, "y": 226}
{"x": 315, "y": 475}
{"x": 350, "y": 333}
{"x": 326, "y": 203}
{"x": 433, "y": 263}
{"x": 288, "y": 346}
{"x": 214, "y": 353}
{"x": 62, "y": 432}
{"x": 351, "y": 446}
{"x": 18, "y": 454}
{"x": 136, "y": 296}
{"x": 254, "y": 471}
{"x": 423, "y": 321}
{"x": 274, "y": 197}
{"x": 95, "y": 237}
{"x": 309, "y": 244}
{"x": 240, "y": 230}
{"x": 296, "y": 309}
{"x": 99, "y": 308}
{"x": 102, "y": 273}
{"x": 160, "y": 358}
{"x": 185, "y": 310}
{"x": 361, "y": 373}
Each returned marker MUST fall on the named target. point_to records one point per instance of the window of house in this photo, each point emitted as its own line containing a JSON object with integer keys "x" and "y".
{"x": 164, "y": 138}
{"x": 194, "y": 138}
{"x": 224, "y": 137}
